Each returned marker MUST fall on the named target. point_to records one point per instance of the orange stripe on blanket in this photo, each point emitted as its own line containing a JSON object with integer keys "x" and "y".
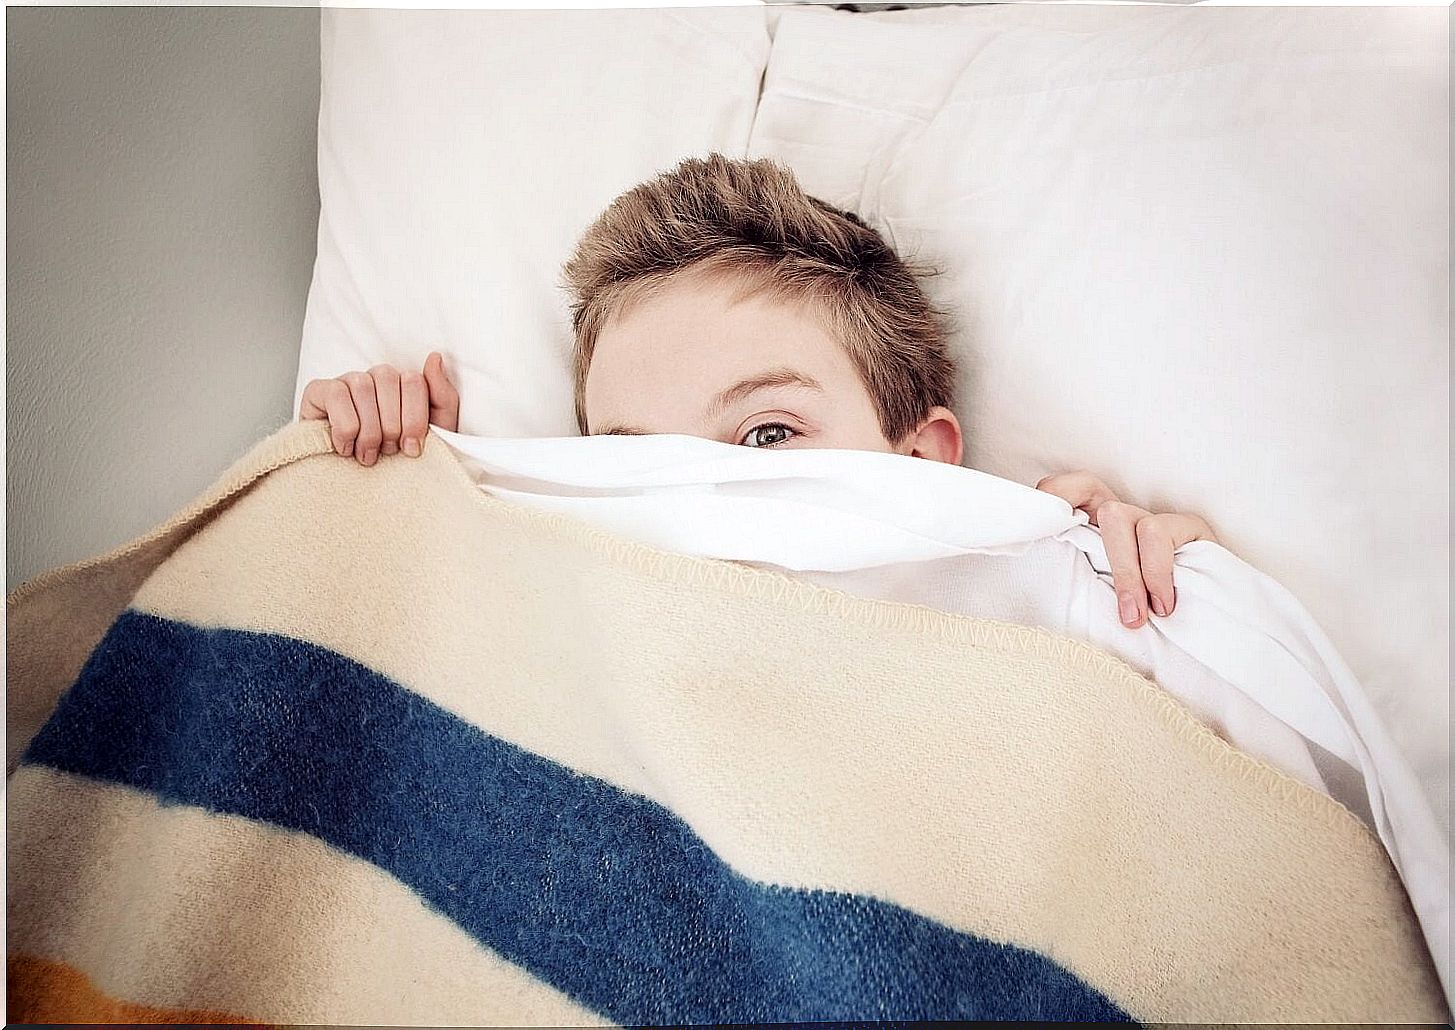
{"x": 41, "y": 991}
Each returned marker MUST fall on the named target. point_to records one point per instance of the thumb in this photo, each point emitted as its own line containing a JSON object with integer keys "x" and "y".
{"x": 444, "y": 399}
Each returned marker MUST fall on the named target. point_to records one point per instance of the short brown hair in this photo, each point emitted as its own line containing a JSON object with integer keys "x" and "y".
{"x": 750, "y": 220}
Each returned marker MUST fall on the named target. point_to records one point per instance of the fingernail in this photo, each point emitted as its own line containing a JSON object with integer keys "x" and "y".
{"x": 348, "y": 448}
{"x": 369, "y": 457}
{"x": 1128, "y": 605}
{"x": 1158, "y": 606}
{"x": 390, "y": 447}
{"x": 411, "y": 447}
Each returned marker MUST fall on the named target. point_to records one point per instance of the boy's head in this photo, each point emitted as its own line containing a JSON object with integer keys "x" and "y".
{"x": 719, "y": 300}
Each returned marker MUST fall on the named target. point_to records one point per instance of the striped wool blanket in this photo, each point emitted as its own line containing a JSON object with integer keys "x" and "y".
{"x": 347, "y": 745}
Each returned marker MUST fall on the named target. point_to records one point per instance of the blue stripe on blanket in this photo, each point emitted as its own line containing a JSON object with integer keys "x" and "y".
{"x": 606, "y": 895}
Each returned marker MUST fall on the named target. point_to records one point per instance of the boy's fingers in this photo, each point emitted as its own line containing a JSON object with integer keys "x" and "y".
{"x": 386, "y": 392}
{"x": 330, "y": 399}
{"x": 1080, "y": 490}
{"x": 1165, "y": 534}
{"x": 343, "y": 418}
{"x": 313, "y": 403}
{"x": 1118, "y": 523}
{"x": 361, "y": 389}
{"x": 413, "y": 412}
{"x": 1184, "y": 529}
{"x": 1154, "y": 548}
{"x": 444, "y": 399}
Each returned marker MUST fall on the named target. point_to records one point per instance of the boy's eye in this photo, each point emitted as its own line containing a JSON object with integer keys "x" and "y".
{"x": 769, "y": 434}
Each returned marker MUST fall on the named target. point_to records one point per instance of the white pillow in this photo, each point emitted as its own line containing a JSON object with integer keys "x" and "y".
{"x": 461, "y": 154}
{"x": 1201, "y": 252}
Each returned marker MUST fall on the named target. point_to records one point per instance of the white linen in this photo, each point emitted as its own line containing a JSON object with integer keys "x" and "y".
{"x": 1238, "y": 650}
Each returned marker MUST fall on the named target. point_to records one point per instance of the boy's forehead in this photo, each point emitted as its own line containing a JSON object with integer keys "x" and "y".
{"x": 716, "y": 305}
{"x": 674, "y": 353}
{"x": 711, "y": 324}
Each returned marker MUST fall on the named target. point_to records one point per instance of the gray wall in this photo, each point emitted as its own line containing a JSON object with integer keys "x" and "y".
{"x": 162, "y": 212}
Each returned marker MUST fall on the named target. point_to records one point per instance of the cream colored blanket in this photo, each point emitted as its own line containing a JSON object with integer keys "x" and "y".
{"x": 346, "y": 745}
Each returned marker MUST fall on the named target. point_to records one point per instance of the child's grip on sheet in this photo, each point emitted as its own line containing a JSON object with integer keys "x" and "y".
{"x": 1139, "y": 544}
{"x": 371, "y": 412}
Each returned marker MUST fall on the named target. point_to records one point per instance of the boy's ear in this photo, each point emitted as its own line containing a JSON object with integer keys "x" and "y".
{"x": 937, "y": 438}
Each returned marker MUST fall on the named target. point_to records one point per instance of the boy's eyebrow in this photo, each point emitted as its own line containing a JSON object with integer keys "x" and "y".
{"x": 743, "y": 388}
{"x": 773, "y": 377}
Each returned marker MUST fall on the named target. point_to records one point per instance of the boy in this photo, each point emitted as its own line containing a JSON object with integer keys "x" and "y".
{"x": 719, "y": 300}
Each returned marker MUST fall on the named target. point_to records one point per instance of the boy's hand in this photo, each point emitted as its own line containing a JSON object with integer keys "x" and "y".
{"x": 1139, "y": 545}
{"x": 371, "y": 411}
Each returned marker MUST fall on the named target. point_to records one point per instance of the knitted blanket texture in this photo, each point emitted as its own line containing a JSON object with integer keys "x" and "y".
{"x": 369, "y": 746}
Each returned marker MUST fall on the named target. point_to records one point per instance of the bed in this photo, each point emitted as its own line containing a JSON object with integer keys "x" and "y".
{"x": 1200, "y": 251}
